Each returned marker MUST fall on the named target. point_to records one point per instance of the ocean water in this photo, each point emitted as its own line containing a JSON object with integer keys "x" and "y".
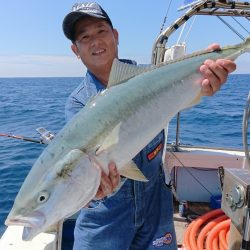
{"x": 29, "y": 103}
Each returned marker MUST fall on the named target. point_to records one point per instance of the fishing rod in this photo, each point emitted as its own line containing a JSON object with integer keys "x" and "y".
{"x": 19, "y": 137}
{"x": 45, "y": 136}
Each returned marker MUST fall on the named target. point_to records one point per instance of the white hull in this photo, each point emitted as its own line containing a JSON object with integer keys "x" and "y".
{"x": 12, "y": 240}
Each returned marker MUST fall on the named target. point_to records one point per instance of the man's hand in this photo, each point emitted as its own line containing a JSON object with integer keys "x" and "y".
{"x": 215, "y": 73}
{"x": 108, "y": 182}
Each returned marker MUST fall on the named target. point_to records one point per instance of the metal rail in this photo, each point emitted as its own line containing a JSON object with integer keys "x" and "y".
{"x": 205, "y": 7}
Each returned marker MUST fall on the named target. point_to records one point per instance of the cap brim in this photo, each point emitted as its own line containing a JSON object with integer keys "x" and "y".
{"x": 70, "y": 20}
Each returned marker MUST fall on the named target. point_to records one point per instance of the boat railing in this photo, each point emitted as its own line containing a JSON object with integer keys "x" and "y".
{"x": 203, "y": 7}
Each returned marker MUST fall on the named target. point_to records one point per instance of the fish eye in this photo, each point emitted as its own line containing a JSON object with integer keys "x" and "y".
{"x": 42, "y": 197}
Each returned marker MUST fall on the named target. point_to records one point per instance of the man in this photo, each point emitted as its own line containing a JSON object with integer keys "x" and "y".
{"x": 139, "y": 215}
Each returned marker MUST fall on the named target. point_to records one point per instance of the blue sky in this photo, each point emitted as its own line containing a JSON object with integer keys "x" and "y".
{"x": 32, "y": 42}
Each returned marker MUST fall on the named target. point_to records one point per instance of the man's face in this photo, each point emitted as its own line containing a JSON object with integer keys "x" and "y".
{"x": 96, "y": 43}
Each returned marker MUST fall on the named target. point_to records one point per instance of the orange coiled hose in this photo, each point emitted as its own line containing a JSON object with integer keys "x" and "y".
{"x": 203, "y": 233}
{"x": 213, "y": 235}
{"x": 223, "y": 239}
{"x": 215, "y": 243}
{"x": 194, "y": 227}
{"x": 227, "y": 237}
{"x": 187, "y": 235}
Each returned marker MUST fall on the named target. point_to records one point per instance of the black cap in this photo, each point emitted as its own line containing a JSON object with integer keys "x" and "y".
{"x": 81, "y": 10}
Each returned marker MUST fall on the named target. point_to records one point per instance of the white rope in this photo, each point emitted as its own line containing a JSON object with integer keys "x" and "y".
{"x": 191, "y": 26}
{"x": 179, "y": 38}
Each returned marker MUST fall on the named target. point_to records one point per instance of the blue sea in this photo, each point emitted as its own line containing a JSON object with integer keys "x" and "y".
{"x": 29, "y": 103}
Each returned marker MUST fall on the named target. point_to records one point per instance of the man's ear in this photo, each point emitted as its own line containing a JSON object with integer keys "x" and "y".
{"x": 75, "y": 50}
{"x": 116, "y": 35}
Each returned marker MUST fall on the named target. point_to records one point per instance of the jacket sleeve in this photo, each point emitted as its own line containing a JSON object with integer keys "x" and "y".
{"x": 72, "y": 106}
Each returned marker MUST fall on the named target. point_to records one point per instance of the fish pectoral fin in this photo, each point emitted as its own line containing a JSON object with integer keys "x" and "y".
{"x": 68, "y": 162}
{"x": 131, "y": 171}
{"x": 73, "y": 156}
{"x": 111, "y": 139}
{"x": 121, "y": 72}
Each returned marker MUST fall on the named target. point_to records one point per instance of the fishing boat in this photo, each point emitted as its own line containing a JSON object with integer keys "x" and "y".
{"x": 211, "y": 182}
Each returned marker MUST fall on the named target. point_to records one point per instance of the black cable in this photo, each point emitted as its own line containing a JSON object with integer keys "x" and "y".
{"x": 231, "y": 28}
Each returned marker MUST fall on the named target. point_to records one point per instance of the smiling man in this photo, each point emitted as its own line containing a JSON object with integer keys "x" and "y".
{"x": 139, "y": 215}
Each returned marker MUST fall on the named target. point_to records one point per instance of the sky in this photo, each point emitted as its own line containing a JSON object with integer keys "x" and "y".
{"x": 32, "y": 43}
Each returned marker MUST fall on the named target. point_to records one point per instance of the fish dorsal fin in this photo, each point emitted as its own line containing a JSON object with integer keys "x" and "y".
{"x": 121, "y": 72}
{"x": 131, "y": 171}
{"x": 110, "y": 140}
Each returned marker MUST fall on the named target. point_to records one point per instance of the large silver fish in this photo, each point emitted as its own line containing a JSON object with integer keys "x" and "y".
{"x": 114, "y": 126}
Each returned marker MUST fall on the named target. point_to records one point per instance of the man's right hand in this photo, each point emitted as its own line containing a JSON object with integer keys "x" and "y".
{"x": 108, "y": 182}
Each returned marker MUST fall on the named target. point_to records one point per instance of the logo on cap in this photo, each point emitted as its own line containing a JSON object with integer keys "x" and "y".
{"x": 89, "y": 7}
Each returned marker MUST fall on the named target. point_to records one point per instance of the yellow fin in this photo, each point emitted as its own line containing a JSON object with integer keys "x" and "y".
{"x": 131, "y": 171}
{"x": 112, "y": 139}
{"x": 55, "y": 227}
{"x": 195, "y": 101}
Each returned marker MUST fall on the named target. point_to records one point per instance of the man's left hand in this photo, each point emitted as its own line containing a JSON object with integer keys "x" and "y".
{"x": 215, "y": 73}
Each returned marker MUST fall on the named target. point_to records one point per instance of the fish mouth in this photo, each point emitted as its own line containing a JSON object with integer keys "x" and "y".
{"x": 32, "y": 223}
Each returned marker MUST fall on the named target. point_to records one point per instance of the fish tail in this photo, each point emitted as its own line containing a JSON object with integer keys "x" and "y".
{"x": 247, "y": 44}
{"x": 239, "y": 49}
